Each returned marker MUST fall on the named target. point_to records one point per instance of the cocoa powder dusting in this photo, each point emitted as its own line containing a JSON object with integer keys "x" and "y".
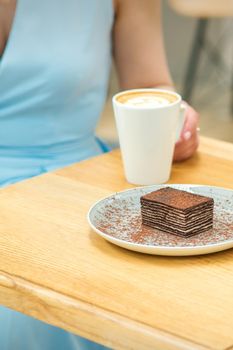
{"x": 120, "y": 217}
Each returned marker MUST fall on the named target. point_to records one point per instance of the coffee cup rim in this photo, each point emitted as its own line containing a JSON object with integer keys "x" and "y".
{"x": 114, "y": 98}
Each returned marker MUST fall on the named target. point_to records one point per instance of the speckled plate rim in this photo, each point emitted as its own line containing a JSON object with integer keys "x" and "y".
{"x": 160, "y": 250}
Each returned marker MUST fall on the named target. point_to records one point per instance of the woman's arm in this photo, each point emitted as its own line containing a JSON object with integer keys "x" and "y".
{"x": 138, "y": 45}
{"x": 140, "y": 59}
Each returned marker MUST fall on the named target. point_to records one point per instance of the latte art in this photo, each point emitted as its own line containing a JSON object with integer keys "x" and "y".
{"x": 146, "y": 99}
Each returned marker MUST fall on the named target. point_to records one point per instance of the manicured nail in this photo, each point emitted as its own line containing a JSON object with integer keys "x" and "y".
{"x": 187, "y": 135}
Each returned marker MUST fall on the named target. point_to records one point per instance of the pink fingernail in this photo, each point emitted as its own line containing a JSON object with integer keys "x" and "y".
{"x": 187, "y": 135}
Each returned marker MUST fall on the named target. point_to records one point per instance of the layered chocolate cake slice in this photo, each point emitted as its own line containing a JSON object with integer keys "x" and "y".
{"x": 178, "y": 212}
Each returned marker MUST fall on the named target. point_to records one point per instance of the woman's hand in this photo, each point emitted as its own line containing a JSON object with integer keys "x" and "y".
{"x": 189, "y": 138}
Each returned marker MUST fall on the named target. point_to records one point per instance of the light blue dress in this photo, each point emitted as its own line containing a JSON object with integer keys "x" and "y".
{"x": 53, "y": 82}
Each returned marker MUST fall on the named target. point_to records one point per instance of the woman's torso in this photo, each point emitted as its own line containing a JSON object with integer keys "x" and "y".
{"x": 53, "y": 80}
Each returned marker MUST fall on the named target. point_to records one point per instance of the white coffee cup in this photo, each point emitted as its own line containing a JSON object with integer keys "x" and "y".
{"x": 149, "y": 122}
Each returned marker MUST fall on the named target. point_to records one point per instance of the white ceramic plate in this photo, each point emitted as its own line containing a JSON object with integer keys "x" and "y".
{"x": 117, "y": 219}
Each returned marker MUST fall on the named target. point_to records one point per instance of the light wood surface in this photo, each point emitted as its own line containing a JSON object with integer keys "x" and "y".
{"x": 203, "y": 8}
{"x": 53, "y": 267}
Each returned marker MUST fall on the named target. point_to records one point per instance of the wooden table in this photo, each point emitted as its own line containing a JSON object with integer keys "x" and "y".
{"x": 53, "y": 267}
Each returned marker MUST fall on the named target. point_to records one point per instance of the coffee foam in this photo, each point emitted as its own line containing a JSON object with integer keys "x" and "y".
{"x": 146, "y": 99}
{"x": 150, "y": 101}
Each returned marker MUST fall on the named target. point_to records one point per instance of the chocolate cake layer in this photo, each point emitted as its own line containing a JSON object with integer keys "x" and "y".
{"x": 174, "y": 220}
{"x": 175, "y": 198}
{"x": 169, "y": 215}
{"x": 178, "y": 212}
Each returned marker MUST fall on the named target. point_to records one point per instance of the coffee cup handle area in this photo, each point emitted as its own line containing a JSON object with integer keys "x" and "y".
{"x": 181, "y": 120}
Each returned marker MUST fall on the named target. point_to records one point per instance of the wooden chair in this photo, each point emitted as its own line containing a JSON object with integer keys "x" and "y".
{"x": 204, "y": 11}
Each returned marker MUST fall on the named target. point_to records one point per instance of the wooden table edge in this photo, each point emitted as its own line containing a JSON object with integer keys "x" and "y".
{"x": 35, "y": 300}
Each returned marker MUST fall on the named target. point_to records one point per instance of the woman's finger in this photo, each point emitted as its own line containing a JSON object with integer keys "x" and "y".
{"x": 185, "y": 149}
{"x": 191, "y": 123}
